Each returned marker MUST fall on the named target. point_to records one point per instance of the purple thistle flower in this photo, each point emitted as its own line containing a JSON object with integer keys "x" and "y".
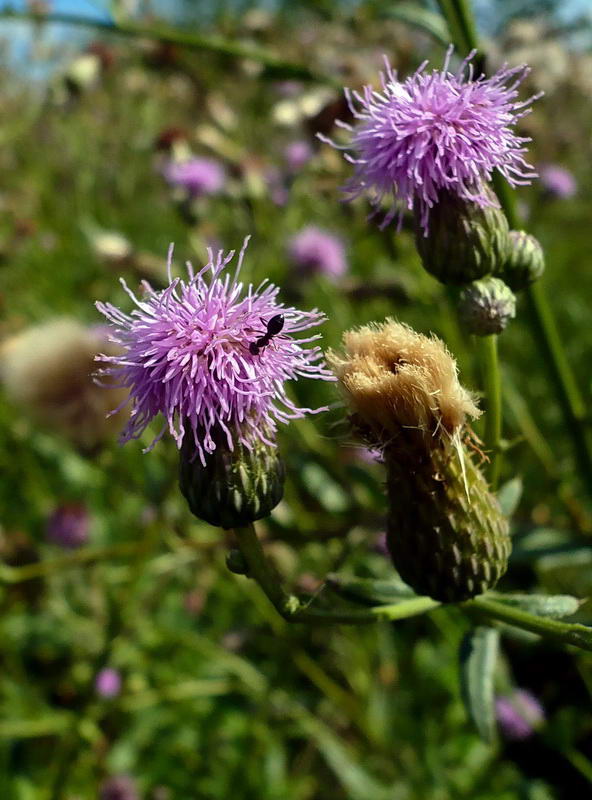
{"x": 108, "y": 683}
{"x": 188, "y": 355}
{"x": 120, "y": 787}
{"x": 434, "y": 132}
{"x": 68, "y": 526}
{"x": 558, "y": 181}
{"x": 198, "y": 176}
{"x": 519, "y": 714}
{"x": 316, "y": 250}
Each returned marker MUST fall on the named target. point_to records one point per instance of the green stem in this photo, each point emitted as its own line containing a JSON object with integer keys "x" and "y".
{"x": 292, "y": 609}
{"x": 493, "y": 393}
{"x": 563, "y": 632}
{"x": 212, "y": 44}
{"x": 459, "y": 17}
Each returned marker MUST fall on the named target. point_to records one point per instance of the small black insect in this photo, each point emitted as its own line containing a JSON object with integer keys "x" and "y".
{"x": 274, "y": 326}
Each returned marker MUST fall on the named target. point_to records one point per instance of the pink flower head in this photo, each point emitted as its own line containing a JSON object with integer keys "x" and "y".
{"x": 297, "y": 154}
{"x": 316, "y": 250}
{"x": 108, "y": 683}
{"x": 558, "y": 181}
{"x": 435, "y": 131}
{"x": 519, "y": 714}
{"x": 68, "y": 526}
{"x": 189, "y": 355}
{"x": 198, "y": 176}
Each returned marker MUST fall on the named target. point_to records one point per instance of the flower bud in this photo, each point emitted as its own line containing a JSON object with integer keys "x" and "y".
{"x": 464, "y": 241}
{"x": 525, "y": 263}
{"x": 234, "y": 487}
{"x": 486, "y": 306}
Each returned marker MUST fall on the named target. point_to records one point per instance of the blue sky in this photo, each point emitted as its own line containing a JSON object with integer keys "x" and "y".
{"x": 19, "y": 34}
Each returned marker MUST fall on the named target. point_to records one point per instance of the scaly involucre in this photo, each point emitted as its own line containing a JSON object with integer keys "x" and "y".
{"x": 434, "y": 132}
{"x": 187, "y": 356}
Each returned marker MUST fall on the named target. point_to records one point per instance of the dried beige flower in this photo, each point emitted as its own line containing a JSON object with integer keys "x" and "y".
{"x": 397, "y": 380}
{"x": 47, "y": 370}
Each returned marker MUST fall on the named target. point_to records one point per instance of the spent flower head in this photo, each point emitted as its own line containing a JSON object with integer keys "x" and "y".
{"x": 197, "y": 353}
{"x": 434, "y": 132}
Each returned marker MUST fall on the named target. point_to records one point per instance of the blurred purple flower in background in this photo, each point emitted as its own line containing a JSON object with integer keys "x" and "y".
{"x": 120, "y": 787}
{"x": 314, "y": 250}
{"x": 198, "y": 176}
{"x": 187, "y": 354}
{"x": 108, "y": 683}
{"x": 297, "y": 154}
{"x": 68, "y": 526}
{"x": 558, "y": 181}
{"x": 519, "y": 714}
{"x": 433, "y": 132}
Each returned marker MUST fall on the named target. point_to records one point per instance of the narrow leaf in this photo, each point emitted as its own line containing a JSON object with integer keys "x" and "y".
{"x": 555, "y": 606}
{"x": 367, "y": 590}
{"x": 478, "y": 655}
{"x": 509, "y": 496}
{"x": 418, "y": 17}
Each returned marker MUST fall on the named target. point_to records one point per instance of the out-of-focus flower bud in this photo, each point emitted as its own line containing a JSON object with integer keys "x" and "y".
{"x": 108, "y": 683}
{"x": 486, "y": 306}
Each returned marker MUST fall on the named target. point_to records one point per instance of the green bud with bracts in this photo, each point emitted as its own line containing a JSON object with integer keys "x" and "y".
{"x": 446, "y": 532}
{"x": 234, "y": 487}
{"x": 525, "y": 263}
{"x": 464, "y": 241}
{"x": 486, "y": 306}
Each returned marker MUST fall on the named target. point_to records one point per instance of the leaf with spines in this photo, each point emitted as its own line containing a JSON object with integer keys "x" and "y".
{"x": 478, "y": 656}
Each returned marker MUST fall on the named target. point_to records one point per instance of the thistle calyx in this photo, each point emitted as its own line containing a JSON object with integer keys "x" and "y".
{"x": 465, "y": 240}
{"x": 234, "y": 487}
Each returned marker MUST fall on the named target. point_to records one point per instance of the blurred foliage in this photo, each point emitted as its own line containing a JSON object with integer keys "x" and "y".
{"x": 220, "y": 697}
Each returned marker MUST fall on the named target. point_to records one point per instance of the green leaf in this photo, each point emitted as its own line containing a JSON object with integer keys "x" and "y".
{"x": 368, "y": 590}
{"x": 509, "y": 496}
{"x": 418, "y": 17}
{"x": 555, "y": 606}
{"x": 478, "y": 655}
{"x": 322, "y": 486}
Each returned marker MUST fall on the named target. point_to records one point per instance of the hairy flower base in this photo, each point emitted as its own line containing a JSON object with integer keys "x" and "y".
{"x": 434, "y": 132}
{"x": 445, "y": 531}
{"x": 189, "y": 354}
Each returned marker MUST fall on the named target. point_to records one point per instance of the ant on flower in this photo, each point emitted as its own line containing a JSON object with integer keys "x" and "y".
{"x": 274, "y": 326}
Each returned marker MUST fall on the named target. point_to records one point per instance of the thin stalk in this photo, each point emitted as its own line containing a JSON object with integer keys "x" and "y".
{"x": 542, "y": 322}
{"x": 493, "y": 394}
{"x": 292, "y": 609}
{"x": 563, "y": 632}
{"x": 275, "y": 66}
